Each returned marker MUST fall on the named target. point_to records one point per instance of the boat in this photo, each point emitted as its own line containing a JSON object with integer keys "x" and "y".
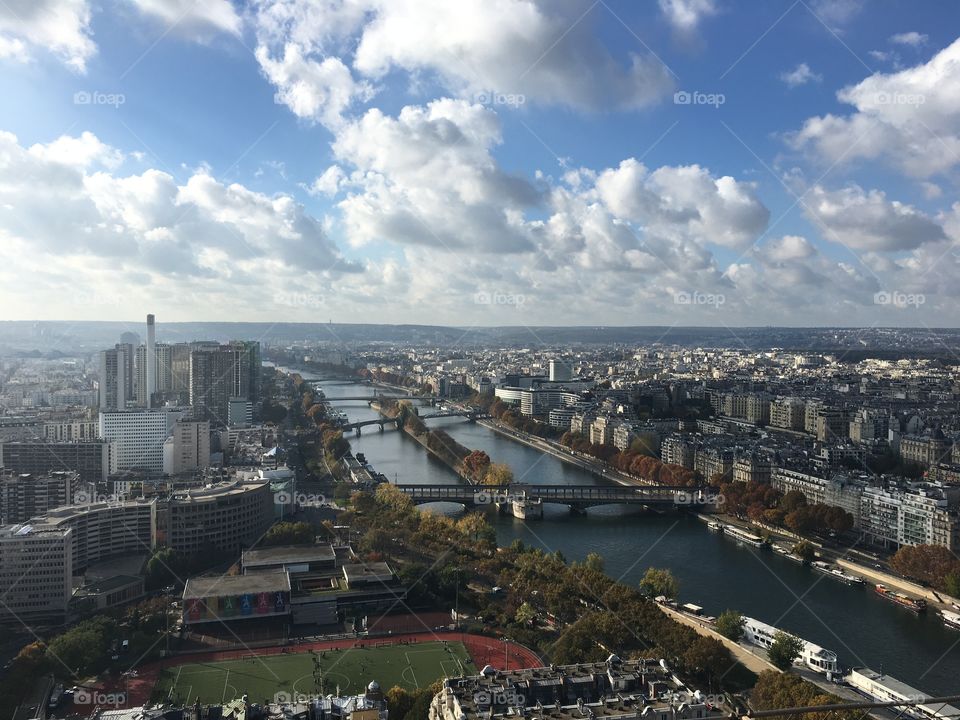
{"x": 744, "y": 536}
{"x": 811, "y": 655}
{"x": 788, "y": 554}
{"x": 950, "y": 619}
{"x": 835, "y": 572}
{"x": 884, "y": 688}
{"x": 525, "y": 508}
{"x": 911, "y": 604}
{"x": 716, "y": 526}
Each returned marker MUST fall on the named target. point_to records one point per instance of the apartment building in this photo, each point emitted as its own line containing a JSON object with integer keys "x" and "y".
{"x": 787, "y": 413}
{"x": 678, "y": 450}
{"x": 36, "y": 573}
{"x": 23, "y": 495}
{"x": 925, "y": 450}
{"x": 228, "y": 516}
{"x": 187, "y": 448}
{"x": 137, "y": 437}
{"x": 90, "y": 458}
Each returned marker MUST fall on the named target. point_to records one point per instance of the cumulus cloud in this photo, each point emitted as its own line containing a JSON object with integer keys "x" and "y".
{"x": 541, "y": 50}
{"x": 319, "y": 90}
{"x": 800, "y": 75}
{"x": 59, "y": 26}
{"x": 76, "y": 216}
{"x": 868, "y": 221}
{"x": 909, "y": 118}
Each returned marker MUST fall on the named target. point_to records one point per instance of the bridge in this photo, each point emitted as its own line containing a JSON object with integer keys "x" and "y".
{"x": 377, "y": 398}
{"x": 577, "y": 497}
{"x": 385, "y": 421}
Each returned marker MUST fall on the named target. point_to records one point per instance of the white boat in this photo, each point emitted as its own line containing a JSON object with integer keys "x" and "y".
{"x": 884, "y": 688}
{"x": 788, "y": 554}
{"x": 716, "y": 526}
{"x": 526, "y": 508}
{"x": 835, "y": 572}
{"x": 812, "y": 656}
{"x": 950, "y": 619}
{"x": 743, "y": 536}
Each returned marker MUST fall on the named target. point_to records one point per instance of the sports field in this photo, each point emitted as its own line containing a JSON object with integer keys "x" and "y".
{"x": 263, "y": 678}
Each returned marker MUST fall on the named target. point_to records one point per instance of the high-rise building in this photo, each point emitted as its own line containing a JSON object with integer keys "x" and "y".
{"x": 221, "y": 374}
{"x": 90, "y": 458}
{"x": 22, "y": 495}
{"x": 151, "y": 360}
{"x": 187, "y": 448}
{"x": 113, "y": 378}
{"x": 137, "y": 437}
{"x": 180, "y": 373}
{"x": 36, "y": 572}
{"x": 560, "y": 370}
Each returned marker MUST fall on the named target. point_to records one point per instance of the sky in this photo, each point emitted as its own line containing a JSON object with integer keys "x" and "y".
{"x": 481, "y": 162}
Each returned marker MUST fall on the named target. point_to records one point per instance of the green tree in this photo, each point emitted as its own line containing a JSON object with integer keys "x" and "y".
{"x": 659, "y": 581}
{"x": 784, "y": 650}
{"x": 594, "y": 561}
{"x": 525, "y": 613}
{"x": 730, "y": 624}
{"x": 498, "y": 474}
{"x": 805, "y": 551}
{"x": 289, "y": 533}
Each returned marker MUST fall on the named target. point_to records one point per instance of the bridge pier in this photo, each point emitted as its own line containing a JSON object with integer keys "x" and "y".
{"x": 381, "y": 427}
{"x": 358, "y": 431}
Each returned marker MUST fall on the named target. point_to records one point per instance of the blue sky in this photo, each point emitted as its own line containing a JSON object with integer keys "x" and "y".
{"x": 498, "y": 162}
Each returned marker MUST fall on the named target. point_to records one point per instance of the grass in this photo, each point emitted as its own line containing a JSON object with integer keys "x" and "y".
{"x": 409, "y": 666}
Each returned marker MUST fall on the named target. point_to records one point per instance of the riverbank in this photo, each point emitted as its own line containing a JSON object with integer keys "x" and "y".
{"x": 840, "y": 557}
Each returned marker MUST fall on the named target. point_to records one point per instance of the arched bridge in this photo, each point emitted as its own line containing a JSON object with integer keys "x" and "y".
{"x": 385, "y": 421}
{"x": 578, "y": 497}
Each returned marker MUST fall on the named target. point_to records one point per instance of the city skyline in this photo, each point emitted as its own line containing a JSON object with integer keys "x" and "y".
{"x": 681, "y": 162}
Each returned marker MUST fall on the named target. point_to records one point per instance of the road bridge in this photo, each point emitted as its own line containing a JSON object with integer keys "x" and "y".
{"x": 388, "y": 421}
{"x": 577, "y": 497}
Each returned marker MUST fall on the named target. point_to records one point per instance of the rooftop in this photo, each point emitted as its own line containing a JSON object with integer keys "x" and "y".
{"x": 220, "y": 585}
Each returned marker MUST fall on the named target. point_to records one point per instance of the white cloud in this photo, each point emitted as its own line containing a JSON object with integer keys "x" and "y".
{"x": 787, "y": 248}
{"x": 913, "y": 39}
{"x": 66, "y": 217}
{"x": 59, "y": 26}
{"x": 542, "y": 50}
{"x": 836, "y": 12}
{"x": 910, "y": 118}
{"x": 685, "y": 15}
{"x": 868, "y": 221}
{"x": 194, "y": 18}
{"x": 800, "y": 75}
{"x": 314, "y": 90}
{"x": 328, "y": 182}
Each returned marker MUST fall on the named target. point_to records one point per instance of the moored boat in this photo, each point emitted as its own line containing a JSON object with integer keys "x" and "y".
{"x": 835, "y": 572}
{"x": 950, "y": 619}
{"x": 911, "y": 604}
{"x": 744, "y": 536}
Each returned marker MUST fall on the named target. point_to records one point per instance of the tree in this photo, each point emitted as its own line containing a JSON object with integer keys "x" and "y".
{"x": 289, "y": 533}
{"x": 498, "y": 474}
{"x": 399, "y": 701}
{"x": 805, "y": 551}
{"x": 784, "y": 650}
{"x": 932, "y": 564}
{"x": 659, "y": 581}
{"x": 730, "y": 624}
{"x": 594, "y": 561}
{"x": 525, "y": 614}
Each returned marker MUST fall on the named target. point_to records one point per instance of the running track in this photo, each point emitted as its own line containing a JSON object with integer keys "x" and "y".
{"x": 483, "y": 651}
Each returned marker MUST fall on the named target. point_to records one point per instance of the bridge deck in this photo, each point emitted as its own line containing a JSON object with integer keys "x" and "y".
{"x": 564, "y": 494}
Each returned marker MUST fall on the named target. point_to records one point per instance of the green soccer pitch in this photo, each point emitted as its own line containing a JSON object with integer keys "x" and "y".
{"x": 265, "y": 677}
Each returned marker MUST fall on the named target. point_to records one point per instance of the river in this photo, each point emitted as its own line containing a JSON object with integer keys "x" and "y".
{"x": 713, "y": 571}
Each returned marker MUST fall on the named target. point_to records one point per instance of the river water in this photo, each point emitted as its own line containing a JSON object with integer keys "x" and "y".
{"x": 713, "y": 571}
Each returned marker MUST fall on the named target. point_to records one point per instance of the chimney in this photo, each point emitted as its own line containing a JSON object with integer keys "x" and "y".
{"x": 151, "y": 359}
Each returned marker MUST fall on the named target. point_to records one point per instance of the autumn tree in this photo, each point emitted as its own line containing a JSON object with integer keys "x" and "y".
{"x": 784, "y": 649}
{"x": 659, "y": 581}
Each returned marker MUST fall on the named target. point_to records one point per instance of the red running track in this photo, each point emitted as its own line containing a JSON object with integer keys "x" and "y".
{"x": 483, "y": 651}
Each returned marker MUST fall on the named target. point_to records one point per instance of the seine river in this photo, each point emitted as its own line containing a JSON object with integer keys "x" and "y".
{"x": 713, "y": 571}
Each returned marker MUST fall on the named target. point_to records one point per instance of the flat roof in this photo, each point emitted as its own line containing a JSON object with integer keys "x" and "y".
{"x": 288, "y": 554}
{"x": 222, "y": 585}
{"x": 367, "y": 572}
